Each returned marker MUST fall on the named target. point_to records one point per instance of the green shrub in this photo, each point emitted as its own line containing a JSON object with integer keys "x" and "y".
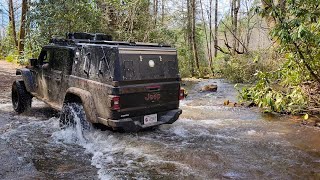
{"x": 296, "y": 30}
{"x": 12, "y": 57}
{"x": 241, "y": 68}
{"x": 277, "y": 91}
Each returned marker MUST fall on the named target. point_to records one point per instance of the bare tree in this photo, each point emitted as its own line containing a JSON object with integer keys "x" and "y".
{"x": 22, "y": 34}
{"x": 155, "y": 11}
{"x": 163, "y": 11}
{"x": 12, "y": 22}
{"x": 216, "y": 29}
{"x": 210, "y": 29}
{"x": 249, "y": 24}
{"x": 208, "y": 44}
{"x": 189, "y": 34}
{"x": 193, "y": 32}
{"x": 235, "y": 7}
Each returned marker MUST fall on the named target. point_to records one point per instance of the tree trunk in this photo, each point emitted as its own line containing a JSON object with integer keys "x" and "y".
{"x": 12, "y": 22}
{"x": 22, "y": 34}
{"x": 155, "y": 11}
{"x": 162, "y": 9}
{"x": 210, "y": 30}
{"x": 194, "y": 44}
{"x": 189, "y": 32}
{"x": 216, "y": 29}
{"x": 206, "y": 34}
{"x": 232, "y": 23}
{"x": 236, "y": 7}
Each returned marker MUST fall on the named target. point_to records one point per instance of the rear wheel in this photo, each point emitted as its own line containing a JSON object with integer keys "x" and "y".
{"x": 73, "y": 115}
{"x": 21, "y": 98}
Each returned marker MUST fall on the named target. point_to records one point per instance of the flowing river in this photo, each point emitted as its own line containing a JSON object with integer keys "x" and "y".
{"x": 209, "y": 141}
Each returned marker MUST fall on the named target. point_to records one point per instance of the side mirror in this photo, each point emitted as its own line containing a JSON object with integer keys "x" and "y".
{"x": 33, "y": 62}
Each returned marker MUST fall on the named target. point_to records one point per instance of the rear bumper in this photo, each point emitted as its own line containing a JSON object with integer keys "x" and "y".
{"x": 136, "y": 123}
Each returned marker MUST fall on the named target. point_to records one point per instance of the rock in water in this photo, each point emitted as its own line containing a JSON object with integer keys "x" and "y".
{"x": 317, "y": 123}
{"x": 249, "y": 104}
{"x": 206, "y": 77}
{"x": 185, "y": 94}
{"x": 210, "y": 88}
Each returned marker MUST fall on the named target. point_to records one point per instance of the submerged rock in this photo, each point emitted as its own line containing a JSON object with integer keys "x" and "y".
{"x": 206, "y": 77}
{"x": 317, "y": 123}
{"x": 235, "y": 104}
{"x": 209, "y": 88}
{"x": 231, "y": 104}
{"x": 249, "y": 104}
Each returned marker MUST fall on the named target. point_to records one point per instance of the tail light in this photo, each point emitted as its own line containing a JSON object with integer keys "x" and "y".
{"x": 115, "y": 103}
{"x": 181, "y": 94}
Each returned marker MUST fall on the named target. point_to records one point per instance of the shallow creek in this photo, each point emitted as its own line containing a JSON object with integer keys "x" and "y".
{"x": 208, "y": 141}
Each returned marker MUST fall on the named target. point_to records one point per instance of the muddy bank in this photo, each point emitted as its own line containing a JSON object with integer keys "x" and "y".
{"x": 7, "y": 76}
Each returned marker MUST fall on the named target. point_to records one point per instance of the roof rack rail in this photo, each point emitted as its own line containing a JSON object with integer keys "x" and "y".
{"x": 89, "y": 36}
{"x": 120, "y": 43}
{"x": 98, "y": 38}
{"x": 151, "y": 44}
{"x": 61, "y": 41}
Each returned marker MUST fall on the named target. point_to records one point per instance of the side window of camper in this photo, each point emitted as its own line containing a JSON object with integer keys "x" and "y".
{"x": 128, "y": 69}
{"x": 172, "y": 68}
{"x": 59, "y": 60}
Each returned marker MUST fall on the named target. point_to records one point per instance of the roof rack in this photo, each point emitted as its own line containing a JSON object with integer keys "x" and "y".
{"x": 61, "y": 41}
{"x": 98, "y": 38}
{"x": 89, "y": 36}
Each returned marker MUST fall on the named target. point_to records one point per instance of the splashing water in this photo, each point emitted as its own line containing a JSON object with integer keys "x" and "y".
{"x": 114, "y": 154}
{"x": 208, "y": 141}
{"x": 74, "y": 131}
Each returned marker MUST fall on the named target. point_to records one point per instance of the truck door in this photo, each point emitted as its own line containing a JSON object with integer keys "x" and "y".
{"x": 42, "y": 73}
{"x": 53, "y": 74}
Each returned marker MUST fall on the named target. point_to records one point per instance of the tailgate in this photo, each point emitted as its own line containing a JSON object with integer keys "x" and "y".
{"x": 148, "y": 99}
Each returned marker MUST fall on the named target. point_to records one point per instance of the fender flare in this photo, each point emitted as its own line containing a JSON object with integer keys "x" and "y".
{"x": 87, "y": 102}
{"x": 27, "y": 78}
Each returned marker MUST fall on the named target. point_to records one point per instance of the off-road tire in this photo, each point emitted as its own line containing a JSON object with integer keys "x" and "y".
{"x": 21, "y": 98}
{"x": 69, "y": 113}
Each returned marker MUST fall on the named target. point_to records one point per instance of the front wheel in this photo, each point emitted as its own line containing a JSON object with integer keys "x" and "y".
{"x": 21, "y": 98}
{"x": 73, "y": 115}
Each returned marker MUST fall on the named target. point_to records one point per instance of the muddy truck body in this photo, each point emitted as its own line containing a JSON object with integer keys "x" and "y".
{"x": 122, "y": 85}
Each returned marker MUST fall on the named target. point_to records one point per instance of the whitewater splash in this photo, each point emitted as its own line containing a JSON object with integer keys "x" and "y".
{"x": 118, "y": 155}
{"x": 209, "y": 141}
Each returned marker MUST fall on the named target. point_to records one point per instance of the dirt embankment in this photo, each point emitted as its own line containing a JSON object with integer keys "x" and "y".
{"x": 7, "y": 76}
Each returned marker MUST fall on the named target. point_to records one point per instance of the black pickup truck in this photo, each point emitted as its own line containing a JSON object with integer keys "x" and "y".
{"x": 123, "y": 85}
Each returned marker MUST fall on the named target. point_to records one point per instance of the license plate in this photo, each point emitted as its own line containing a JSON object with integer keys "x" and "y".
{"x": 150, "y": 119}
